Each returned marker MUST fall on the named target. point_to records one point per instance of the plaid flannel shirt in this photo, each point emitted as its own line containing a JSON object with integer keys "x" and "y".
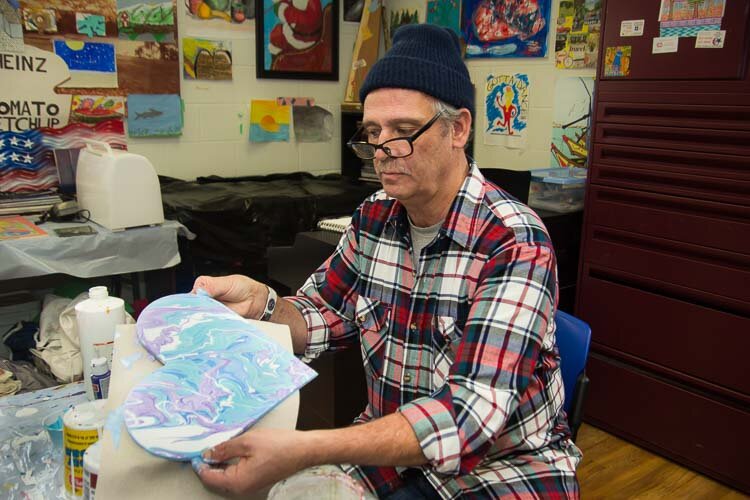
{"x": 462, "y": 343}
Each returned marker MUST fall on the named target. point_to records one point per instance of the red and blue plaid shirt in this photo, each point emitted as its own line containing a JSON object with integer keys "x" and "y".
{"x": 462, "y": 343}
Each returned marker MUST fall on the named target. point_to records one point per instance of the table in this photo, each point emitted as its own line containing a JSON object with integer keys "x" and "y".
{"x": 105, "y": 253}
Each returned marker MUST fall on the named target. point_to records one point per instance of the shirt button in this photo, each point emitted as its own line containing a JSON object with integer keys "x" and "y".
{"x": 407, "y": 378}
{"x": 413, "y": 327}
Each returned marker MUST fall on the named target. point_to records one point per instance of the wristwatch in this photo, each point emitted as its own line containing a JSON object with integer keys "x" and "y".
{"x": 270, "y": 305}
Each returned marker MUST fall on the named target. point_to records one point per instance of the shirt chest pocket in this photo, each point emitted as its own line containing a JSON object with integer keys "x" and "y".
{"x": 445, "y": 339}
{"x": 373, "y": 319}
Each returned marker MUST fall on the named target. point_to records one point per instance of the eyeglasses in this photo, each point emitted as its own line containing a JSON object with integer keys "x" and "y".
{"x": 398, "y": 147}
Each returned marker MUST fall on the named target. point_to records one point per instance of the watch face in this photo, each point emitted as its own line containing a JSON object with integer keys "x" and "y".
{"x": 271, "y": 304}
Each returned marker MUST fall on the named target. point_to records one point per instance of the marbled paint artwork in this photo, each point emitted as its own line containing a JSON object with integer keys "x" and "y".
{"x": 220, "y": 376}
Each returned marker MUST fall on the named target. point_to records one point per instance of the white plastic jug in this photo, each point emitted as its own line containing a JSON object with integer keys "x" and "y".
{"x": 97, "y": 317}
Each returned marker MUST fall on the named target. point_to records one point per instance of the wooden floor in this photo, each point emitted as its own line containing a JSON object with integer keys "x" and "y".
{"x": 613, "y": 468}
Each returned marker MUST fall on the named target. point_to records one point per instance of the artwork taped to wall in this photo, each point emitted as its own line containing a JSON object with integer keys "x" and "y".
{"x": 206, "y": 59}
{"x": 11, "y": 29}
{"x": 154, "y": 115}
{"x": 617, "y": 60}
{"x": 400, "y": 12}
{"x": 137, "y": 20}
{"x": 687, "y": 18}
{"x": 312, "y": 124}
{"x": 269, "y": 121}
{"x": 148, "y": 67}
{"x": 91, "y": 64}
{"x": 507, "y": 110}
{"x": 39, "y": 19}
{"x": 571, "y": 121}
{"x": 578, "y": 33}
{"x": 96, "y": 108}
{"x": 236, "y": 11}
{"x": 297, "y": 42}
{"x": 445, "y": 13}
{"x": 90, "y": 25}
{"x": 512, "y": 28}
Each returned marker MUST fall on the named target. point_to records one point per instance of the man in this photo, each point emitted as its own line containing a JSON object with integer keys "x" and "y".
{"x": 448, "y": 285}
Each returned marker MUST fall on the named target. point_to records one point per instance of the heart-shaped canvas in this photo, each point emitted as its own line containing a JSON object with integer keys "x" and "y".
{"x": 220, "y": 376}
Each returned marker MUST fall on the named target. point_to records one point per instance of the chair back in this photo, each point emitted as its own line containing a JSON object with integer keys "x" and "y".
{"x": 573, "y": 339}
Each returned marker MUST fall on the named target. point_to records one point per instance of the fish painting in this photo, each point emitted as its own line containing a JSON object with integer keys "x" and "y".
{"x": 151, "y": 113}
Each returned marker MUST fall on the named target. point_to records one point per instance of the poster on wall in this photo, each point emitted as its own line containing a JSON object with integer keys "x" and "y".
{"x": 234, "y": 11}
{"x": 297, "y": 40}
{"x": 269, "y": 121}
{"x": 206, "y": 59}
{"x": 11, "y": 29}
{"x": 91, "y": 64}
{"x": 571, "y": 121}
{"x": 27, "y": 96}
{"x": 96, "y": 108}
{"x": 446, "y": 13}
{"x": 506, "y": 110}
{"x": 511, "y": 28}
{"x": 312, "y": 123}
{"x": 578, "y": 33}
{"x": 685, "y": 18}
{"x": 137, "y": 20}
{"x": 400, "y": 12}
{"x": 154, "y": 115}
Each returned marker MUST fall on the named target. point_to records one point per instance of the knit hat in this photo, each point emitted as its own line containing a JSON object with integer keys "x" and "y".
{"x": 426, "y": 58}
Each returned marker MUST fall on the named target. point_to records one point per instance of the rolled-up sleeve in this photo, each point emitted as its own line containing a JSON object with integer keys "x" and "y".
{"x": 510, "y": 315}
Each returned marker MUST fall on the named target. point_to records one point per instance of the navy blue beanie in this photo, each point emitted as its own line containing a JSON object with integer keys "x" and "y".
{"x": 426, "y": 58}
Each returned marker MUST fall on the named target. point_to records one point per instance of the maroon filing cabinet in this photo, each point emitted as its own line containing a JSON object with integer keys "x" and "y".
{"x": 664, "y": 277}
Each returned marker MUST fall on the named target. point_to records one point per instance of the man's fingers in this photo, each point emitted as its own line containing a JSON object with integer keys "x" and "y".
{"x": 221, "y": 479}
{"x": 227, "y": 450}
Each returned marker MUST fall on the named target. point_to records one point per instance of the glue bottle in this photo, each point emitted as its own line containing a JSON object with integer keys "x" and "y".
{"x": 100, "y": 377}
{"x": 96, "y": 318}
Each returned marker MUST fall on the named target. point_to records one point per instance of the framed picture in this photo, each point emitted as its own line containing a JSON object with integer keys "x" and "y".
{"x": 297, "y": 42}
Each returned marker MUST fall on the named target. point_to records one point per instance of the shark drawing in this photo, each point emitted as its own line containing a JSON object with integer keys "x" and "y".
{"x": 151, "y": 113}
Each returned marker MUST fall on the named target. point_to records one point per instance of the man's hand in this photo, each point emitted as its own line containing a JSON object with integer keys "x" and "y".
{"x": 241, "y": 294}
{"x": 265, "y": 457}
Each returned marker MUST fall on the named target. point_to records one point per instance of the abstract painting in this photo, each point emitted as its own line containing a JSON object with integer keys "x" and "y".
{"x": 507, "y": 109}
{"x": 578, "y": 33}
{"x": 401, "y": 12}
{"x": 39, "y": 19}
{"x": 154, "y": 115}
{"x": 220, "y": 376}
{"x": 11, "y": 29}
{"x": 511, "y": 28}
{"x": 269, "y": 121}
{"x": 96, "y": 108}
{"x": 571, "y": 121}
{"x": 90, "y": 25}
{"x": 312, "y": 124}
{"x": 686, "y": 18}
{"x": 91, "y": 64}
{"x": 206, "y": 59}
{"x": 297, "y": 42}
{"x": 146, "y": 21}
{"x": 445, "y": 13}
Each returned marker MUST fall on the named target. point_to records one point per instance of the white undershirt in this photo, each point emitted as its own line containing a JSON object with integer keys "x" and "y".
{"x": 420, "y": 238}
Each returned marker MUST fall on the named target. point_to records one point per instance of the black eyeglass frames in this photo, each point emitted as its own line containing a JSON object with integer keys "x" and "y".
{"x": 398, "y": 147}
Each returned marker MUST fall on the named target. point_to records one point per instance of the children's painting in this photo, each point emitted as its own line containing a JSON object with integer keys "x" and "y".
{"x": 11, "y": 29}
{"x": 445, "y": 13}
{"x": 617, "y": 61}
{"x": 507, "y": 110}
{"x": 570, "y": 124}
{"x": 687, "y": 18}
{"x": 511, "y": 28}
{"x": 578, "y": 33}
{"x": 154, "y": 115}
{"x": 297, "y": 39}
{"x": 91, "y": 64}
{"x": 269, "y": 121}
{"x": 401, "y": 12}
{"x": 39, "y": 19}
{"x": 151, "y": 67}
{"x": 138, "y": 20}
{"x": 206, "y": 59}
{"x": 312, "y": 124}
{"x": 91, "y": 25}
{"x": 96, "y": 108}
{"x": 231, "y": 11}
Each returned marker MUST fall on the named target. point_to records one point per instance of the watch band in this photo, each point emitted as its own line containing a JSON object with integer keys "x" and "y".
{"x": 270, "y": 305}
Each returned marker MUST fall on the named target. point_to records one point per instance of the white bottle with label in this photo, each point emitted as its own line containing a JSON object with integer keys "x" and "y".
{"x": 97, "y": 317}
